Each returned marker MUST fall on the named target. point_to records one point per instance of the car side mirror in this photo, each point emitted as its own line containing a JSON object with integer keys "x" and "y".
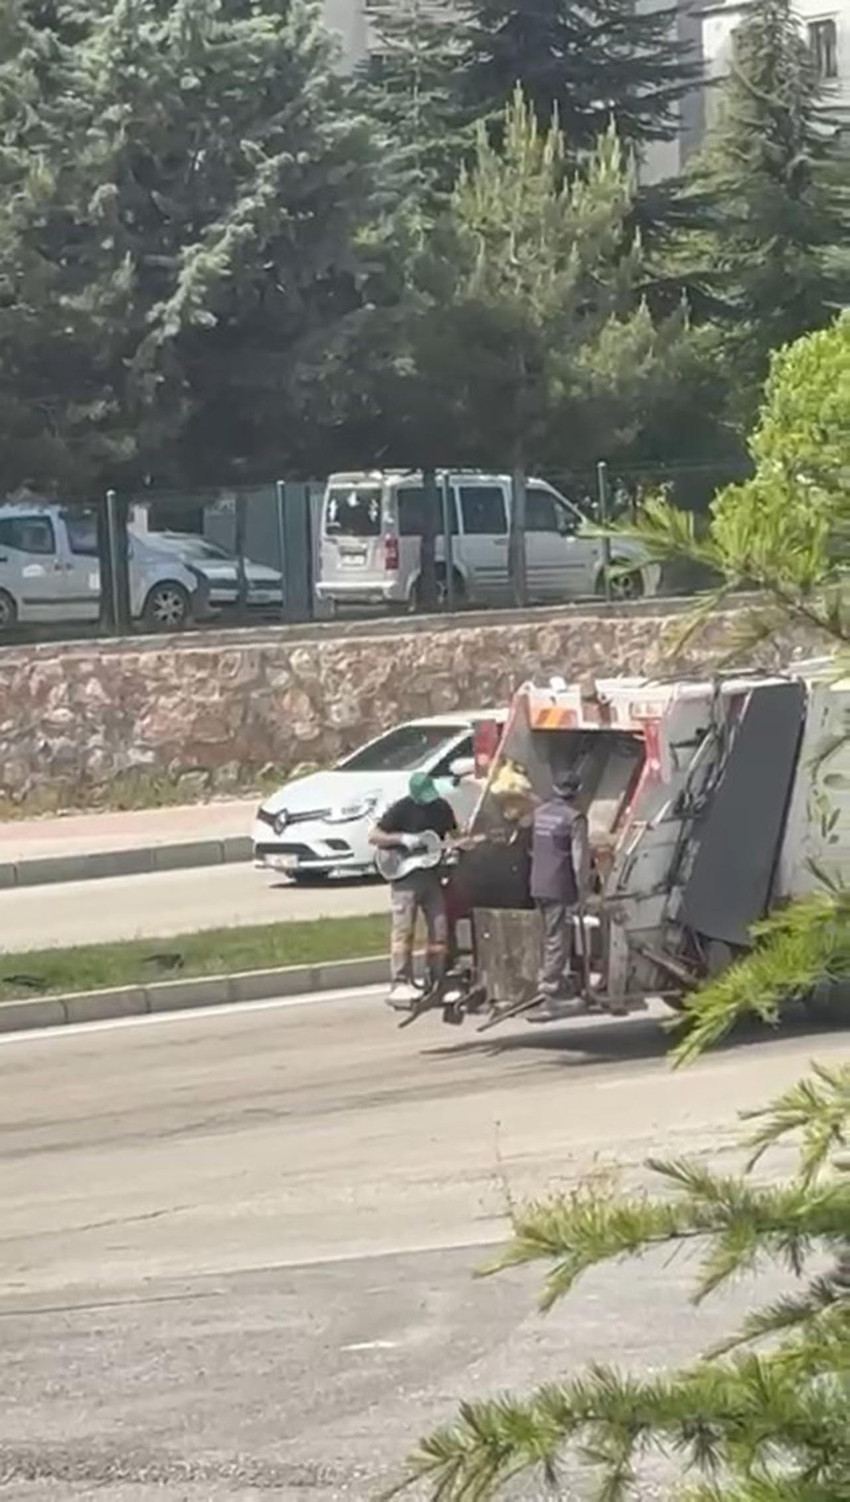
{"x": 462, "y": 766}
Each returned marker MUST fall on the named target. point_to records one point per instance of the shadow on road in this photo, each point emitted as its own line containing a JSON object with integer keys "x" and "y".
{"x": 320, "y": 882}
{"x": 615, "y": 1040}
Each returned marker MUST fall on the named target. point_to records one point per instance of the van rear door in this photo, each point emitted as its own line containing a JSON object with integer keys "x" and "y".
{"x": 352, "y": 534}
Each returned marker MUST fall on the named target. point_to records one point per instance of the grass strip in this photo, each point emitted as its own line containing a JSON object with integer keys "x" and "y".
{"x": 215, "y": 951}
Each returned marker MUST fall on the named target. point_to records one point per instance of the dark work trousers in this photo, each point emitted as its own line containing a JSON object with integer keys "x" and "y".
{"x": 553, "y": 976}
{"x": 421, "y": 892}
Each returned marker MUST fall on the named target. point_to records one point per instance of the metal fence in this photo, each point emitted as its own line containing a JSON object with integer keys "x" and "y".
{"x": 247, "y": 555}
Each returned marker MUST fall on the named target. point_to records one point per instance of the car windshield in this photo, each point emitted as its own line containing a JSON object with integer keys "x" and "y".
{"x": 402, "y": 750}
{"x": 352, "y": 511}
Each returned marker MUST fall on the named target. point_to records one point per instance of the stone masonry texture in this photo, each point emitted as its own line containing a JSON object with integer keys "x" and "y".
{"x": 218, "y": 707}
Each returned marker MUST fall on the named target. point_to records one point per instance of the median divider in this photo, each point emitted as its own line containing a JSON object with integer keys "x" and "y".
{"x": 179, "y": 995}
{"x": 141, "y": 860}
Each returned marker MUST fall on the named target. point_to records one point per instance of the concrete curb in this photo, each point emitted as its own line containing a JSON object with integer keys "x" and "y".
{"x": 178, "y": 995}
{"x": 137, "y": 862}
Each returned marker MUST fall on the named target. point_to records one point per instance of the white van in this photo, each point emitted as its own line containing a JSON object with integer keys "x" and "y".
{"x": 49, "y": 572}
{"x": 370, "y": 542}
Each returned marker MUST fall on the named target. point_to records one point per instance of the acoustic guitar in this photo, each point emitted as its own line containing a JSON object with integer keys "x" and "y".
{"x": 394, "y": 862}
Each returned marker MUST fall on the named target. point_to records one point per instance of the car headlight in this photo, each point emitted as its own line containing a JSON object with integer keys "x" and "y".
{"x": 348, "y": 812}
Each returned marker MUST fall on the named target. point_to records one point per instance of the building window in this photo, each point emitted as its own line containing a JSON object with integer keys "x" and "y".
{"x": 823, "y": 45}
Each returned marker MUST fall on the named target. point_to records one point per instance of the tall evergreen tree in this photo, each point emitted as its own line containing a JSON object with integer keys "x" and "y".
{"x": 533, "y": 329}
{"x": 593, "y": 62}
{"x": 189, "y": 227}
{"x": 774, "y": 182}
{"x": 43, "y": 383}
{"x": 410, "y": 85}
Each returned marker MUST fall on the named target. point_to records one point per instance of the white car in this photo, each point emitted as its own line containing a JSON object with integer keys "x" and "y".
{"x": 320, "y": 824}
{"x": 49, "y": 572}
{"x": 264, "y": 585}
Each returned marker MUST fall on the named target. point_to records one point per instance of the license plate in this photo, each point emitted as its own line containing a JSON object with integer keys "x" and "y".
{"x": 285, "y": 862}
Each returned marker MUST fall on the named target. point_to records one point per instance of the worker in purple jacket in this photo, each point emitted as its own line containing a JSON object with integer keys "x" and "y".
{"x": 559, "y": 864}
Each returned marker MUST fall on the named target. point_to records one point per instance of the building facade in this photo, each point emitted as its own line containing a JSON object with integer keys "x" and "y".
{"x": 707, "y": 29}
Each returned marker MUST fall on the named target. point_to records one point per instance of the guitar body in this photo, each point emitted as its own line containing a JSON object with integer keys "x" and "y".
{"x": 394, "y": 862}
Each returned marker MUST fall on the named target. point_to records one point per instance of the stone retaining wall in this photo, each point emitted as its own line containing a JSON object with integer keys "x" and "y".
{"x": 210, "y": 711}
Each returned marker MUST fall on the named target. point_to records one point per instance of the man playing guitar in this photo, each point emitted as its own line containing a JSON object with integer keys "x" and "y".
{"x": 423, "y": 809}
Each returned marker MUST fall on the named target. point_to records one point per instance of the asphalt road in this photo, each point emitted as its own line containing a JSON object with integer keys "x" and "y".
{"x": 167, "y": 903}
{"x": 236, "y": 1247}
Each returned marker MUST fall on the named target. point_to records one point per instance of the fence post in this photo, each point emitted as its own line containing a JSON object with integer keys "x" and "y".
{"x": 296, "y": 543}
{"x": 426, "y": 588}
{"x": 517, "y": 572}
{"x": 119, "y": 572}
{"x": 446, "y": 500}
{"x": 280, "y": 501}
{"x": 241, "y": 576}
{"x": 602, "y": 485}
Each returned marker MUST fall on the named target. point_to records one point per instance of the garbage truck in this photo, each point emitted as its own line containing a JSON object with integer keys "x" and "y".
{"x": 709, "y": 802}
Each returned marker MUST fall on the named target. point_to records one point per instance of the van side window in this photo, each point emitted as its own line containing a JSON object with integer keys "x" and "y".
{"x": 81, "y": 527}
{"x": 411, "y": 511}
{"x": 545, "y": 513}
{"x": 27, "y": 534}
{"x": 484, "y": 512}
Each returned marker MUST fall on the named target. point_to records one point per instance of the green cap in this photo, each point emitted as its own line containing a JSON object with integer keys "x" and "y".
{"x": 422, "y": 788}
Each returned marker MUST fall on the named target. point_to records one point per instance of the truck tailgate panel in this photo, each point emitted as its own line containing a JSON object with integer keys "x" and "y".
{"x": 729, "y": 886}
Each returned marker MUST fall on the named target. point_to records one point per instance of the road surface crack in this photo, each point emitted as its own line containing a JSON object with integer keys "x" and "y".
{"x": 100, "y": 1225}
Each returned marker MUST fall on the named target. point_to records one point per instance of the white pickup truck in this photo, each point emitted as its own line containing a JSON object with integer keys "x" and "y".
{"x": 49, "y": 571}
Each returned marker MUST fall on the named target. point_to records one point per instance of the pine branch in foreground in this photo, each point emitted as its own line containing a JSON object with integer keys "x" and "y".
{"x": 741, "y": 1222}
{"x": 762, "y": 1489}
{"x": 818, "y": 1108}
{"x": 713, "y": 1418}
{"x": 772, "y": 1427}
{"x": 797, "y": 949}
{"x": 823, "y": 1302}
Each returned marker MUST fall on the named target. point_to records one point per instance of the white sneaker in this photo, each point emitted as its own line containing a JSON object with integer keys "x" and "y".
{"x": 402, "y": 995}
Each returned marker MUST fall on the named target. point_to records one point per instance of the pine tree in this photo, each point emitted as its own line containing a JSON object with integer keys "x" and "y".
{"x": 194, "y": 213}
{"x": 533, "y": 325}
{"x": 596, "y": 62}
{"x": 45, "y": 381}
{"x": 529, "y": 339}
{"x": 776, "y": 182}
{"x": 410, "y": 87}
{"x": 787, "y": 528}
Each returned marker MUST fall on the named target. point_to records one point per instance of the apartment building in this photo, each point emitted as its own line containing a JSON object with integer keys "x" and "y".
{"x": 347, "y": 20}
{"x": 707, "y": 28}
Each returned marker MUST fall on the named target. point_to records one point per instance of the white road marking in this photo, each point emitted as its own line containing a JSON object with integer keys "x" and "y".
{"x": 186, "y": 1014}
{"x": 371, "y": 1345}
